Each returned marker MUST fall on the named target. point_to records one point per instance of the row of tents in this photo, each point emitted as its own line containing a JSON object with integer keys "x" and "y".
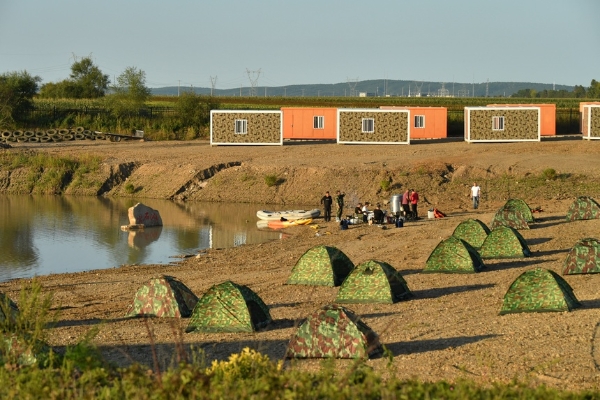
{"x": 336, "y": 331}
{"x": 517, "y": 214}
{"x": 331, "y": 331}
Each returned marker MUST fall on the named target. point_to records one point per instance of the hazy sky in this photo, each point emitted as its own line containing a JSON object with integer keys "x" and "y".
{"x": 306, "y": 41}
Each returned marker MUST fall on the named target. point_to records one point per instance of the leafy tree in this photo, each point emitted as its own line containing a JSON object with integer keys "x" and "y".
{"x": 194, "y": 111}
{"x": 16, "y": 95}
{"x": 593, "y": 91}
{"x": 129, "y": 93}
{"x": 89, "y": 81}
{"x": 579, "y": 91}
{"x": 85, "y": 82}
{"x": 131, "y": 84}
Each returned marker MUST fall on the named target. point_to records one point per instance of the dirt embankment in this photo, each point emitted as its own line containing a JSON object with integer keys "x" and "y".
{"x": 442, "y": 171}
{"x": 449, "y": 330}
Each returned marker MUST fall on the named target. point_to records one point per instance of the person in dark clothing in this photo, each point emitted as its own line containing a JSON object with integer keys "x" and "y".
{"x": 358, "y": 209}
{"x": 378, "y": 215}
{"x": 327, "y": 201}
{"x": 339, "y": 199}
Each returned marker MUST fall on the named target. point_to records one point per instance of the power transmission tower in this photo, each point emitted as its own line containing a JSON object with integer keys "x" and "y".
{"x": 418, "y": 89}
{"x": 213, "y": 83}
{"x": 487, "y": 88}
{"x": 253, "y": 77}
{"x": 352, "y": 84}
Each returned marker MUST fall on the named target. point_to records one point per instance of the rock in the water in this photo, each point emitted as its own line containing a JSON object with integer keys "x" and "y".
{"x": 142, "y": 214}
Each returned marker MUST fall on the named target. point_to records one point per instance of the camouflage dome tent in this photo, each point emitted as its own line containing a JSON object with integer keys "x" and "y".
{"x": 539, "y": 290}
{"x": 229, "y": 307}
{"x": 373, "y": 282}
{"x": 321, "y": 266}
{"x": 454, "y": 256}
{"x": 164, "y": 296}
{"x": 583, "y": 208}
{"x": 472, "y": 231}
{"x": 583, "y": 258}
{"x": 504, "y": 242}
{"x": 507, "y": 217}
{"x": 333, "y": 331}
{"x": 521, "y": 206}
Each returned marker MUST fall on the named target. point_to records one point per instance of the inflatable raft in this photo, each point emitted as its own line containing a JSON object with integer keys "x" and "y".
{"x": 282, "y": 224}
{"x": 290, "y": 215}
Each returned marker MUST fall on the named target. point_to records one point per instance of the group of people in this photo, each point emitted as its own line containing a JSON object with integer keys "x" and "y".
{"x": 363, "y": 209}
{"x": 410, "y": 201}
{"x": 327, "y": 202}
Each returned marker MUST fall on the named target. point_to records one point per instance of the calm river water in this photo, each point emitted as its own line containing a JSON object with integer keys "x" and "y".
{"x": 41, "y": 235}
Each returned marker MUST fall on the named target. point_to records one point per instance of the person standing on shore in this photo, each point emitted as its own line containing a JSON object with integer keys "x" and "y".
{"x": 414, "y": 200}
{"x": 475, "y": 193}
{"x": 365, "y": 212}
{"x": 339, "y": 199}
{"x": 327, "y": 201}
{"x": 406, "y": 204}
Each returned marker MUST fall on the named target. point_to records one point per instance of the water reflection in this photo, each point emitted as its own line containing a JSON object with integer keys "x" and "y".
{"x": 53, "y": 234}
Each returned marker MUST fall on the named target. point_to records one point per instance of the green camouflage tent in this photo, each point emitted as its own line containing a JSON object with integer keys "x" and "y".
{"x": 23, "y": 351}
{"x": 7, "y": 308}
{"x": 539, "y": 290}
{"x": 508, "y": 217}
{"x": 583, "y": 258}
{"x": 373, "y": 282}
{"x": 504, "y": 242}
{"x": 333, "y": 332}
{"x": 321, "y": 266}
{"x": 229, "y": 307}
{"x": 164, "y": 296}
{"x": 521, "y": 206}
{"x": 583, "y": 208}
{"x": 472, "y": 231}
{"x": 454, "y": 256}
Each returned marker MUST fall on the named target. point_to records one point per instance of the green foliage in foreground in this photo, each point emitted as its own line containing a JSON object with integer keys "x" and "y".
{"x": 80, "y": 372}
{"x": 248, "y": 375}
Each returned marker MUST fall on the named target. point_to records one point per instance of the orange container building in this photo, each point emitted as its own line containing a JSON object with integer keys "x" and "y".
{"x": 309, "y": 123}
{"x": 547, "y": 116}
{"x": 425, "y": 122}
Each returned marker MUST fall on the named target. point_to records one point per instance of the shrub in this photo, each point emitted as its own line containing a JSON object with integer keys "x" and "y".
{"x": 385, "y": 185}
{"x": 271, "y": 180}
{"x": 549, "y": 174}
{"x": 129, "y": 188}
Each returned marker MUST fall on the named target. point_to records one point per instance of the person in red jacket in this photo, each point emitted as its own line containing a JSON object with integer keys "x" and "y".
{"x": 414, "y": 200}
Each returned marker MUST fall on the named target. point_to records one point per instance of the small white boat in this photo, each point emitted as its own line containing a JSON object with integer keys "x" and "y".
{"x": 290, "y": 215}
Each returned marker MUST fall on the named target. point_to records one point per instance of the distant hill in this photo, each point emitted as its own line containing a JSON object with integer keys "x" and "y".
{"x": 377, "y": 87}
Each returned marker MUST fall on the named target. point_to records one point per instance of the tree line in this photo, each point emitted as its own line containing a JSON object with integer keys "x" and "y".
{"x": 122, "y": 100}
{"x": 579, "y": 92}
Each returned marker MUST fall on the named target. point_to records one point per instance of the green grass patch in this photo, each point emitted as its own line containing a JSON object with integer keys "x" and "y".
{"x": 385, "y": 185}
{"x": 129, "y": 188}
{"x": 51, "y": 174}
{"x": 271, "y": 180}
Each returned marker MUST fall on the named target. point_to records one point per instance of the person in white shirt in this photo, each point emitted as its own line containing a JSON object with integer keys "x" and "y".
{"x": 475, "y": 193}
{"x": 365, "y": 212}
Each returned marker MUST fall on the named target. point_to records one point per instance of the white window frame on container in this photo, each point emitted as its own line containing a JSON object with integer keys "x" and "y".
{"x": 241, "y": 127}
{"x": 498, "y": 123}
{"x": 368, "y": 125}
{"x": 318, "y": 122}
{"x": 419, "y": 121}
